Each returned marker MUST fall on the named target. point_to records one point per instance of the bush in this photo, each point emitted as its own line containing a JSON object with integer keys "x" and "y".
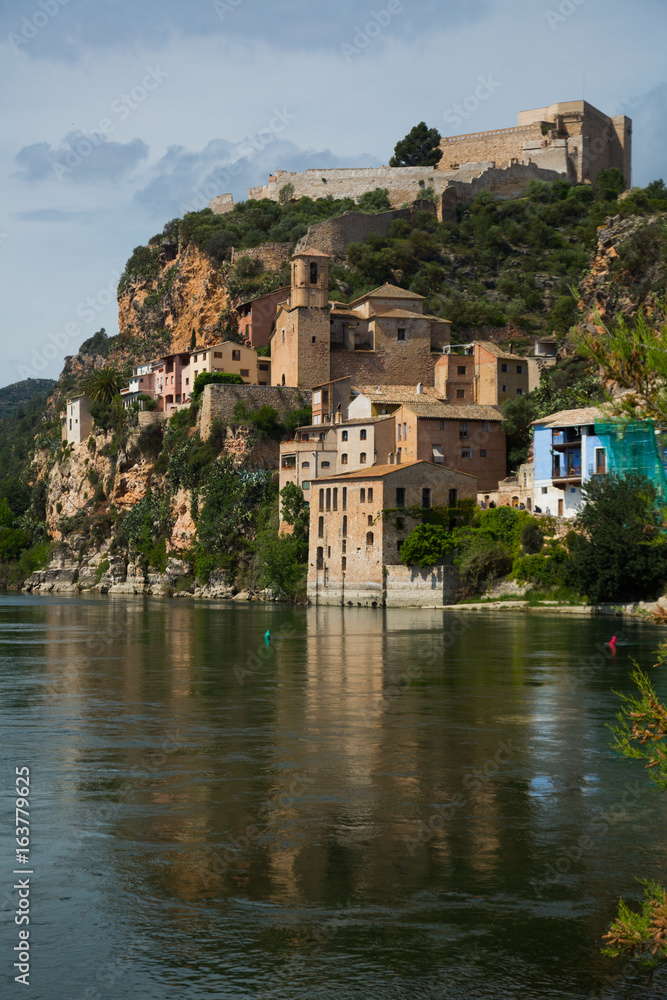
{"x": 427, "y": 545}
{"x": 150, "y": 440}
{"x": 482, "y": 562}
{"x": 214, "y": 378}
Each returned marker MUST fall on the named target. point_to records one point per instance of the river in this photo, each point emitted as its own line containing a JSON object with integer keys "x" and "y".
{"x": 367, "y": 804}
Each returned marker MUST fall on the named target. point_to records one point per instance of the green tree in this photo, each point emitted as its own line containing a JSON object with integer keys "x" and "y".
{"x": 641, "y": 734}
{"x": 427, "y": 545}
{"x": 7, "y": 516}
{"x": 610, "y": 183}
{"x": 296, "y": 513}
{"x": 419, "y": 148}
{"x": 103, "y": 384}
{"x": 619, "y": 554}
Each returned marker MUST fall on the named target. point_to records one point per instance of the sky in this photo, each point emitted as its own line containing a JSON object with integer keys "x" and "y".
{"x": 119, "y": 116}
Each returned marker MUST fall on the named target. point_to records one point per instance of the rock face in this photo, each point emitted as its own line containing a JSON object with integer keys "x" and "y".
{"x": 187, "y": 296}
{"x": 625, "y": 271}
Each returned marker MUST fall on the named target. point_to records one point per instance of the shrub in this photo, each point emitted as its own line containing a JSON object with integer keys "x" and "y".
{"x": 214, "y": 378}
{"x": 150, "y": 440}
{"x": 427, "y": 545}
{"x": 483, "y": 561}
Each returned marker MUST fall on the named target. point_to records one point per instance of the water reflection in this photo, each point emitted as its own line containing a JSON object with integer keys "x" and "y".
{"x": 396, "y": 803}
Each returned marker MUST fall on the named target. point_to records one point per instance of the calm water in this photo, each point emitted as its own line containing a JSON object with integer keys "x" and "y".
{"x": 375, "y": 804}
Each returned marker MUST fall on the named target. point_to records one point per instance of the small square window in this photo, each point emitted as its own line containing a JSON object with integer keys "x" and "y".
{"x": 519, "y": 392}
{"x": 461, "y": 370}
{"x": 519, "y": 369}
{"x": 401, "y": 334}
{"x": 245, "y": 372}
{"x": 460, "y": 393}
{"x": 482, "y": 452}
{"x": 363, "y": 435}
{"x": 504, "y": 388}
{"x": 504, "y": 368}
{"x": 466, "y": 452}
{"x": 236, "y": 355}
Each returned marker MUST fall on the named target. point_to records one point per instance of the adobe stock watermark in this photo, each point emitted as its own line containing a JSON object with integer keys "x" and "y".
{"x": 122, "y": 107}
{"x": 225, "y": 7}
{"x": 378, "y": 20}
{"x": 31, "y": 26}
{"x": 247, "y": 149}
{"x": 88, "y": 310}
{"x": 458, "y": 113}
{"x": 566, "y": 9}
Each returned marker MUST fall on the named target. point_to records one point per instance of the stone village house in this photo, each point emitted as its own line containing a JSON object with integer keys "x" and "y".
{"x": 354, "y": 552}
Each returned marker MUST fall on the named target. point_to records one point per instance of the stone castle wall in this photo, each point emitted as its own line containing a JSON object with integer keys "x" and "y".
{"x": 381, "y": 367}
{"x": 499, "y": 145}
{"x": 271, "y": 256}
{"x": 219, "y": 402}
{"x": 333, "y": 236}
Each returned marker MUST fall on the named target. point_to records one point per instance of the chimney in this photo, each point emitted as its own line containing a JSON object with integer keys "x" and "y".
{"x": 420, "y": 389}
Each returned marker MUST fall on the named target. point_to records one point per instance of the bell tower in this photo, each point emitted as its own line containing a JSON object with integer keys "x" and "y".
{"x": 310, "y": 280}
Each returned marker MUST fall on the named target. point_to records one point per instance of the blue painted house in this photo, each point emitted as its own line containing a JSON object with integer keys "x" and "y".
{"x": 567, "y": 453}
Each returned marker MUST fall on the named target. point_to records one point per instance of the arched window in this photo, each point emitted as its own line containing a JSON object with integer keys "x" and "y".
{"x": 362, "y": 458}
{"x": 370, "y": 495}
{"x": 345, "y": 526}
{"x": 321, "y": 499}
{"x": 369, "y": 538}
{"x": 343, "y": 459}
{"x": 320, "y": 528}
{"x": 362, "y": 435}
{"x": 283, "y": 380}
{"x": 320, "y": 558}
{"x": 370, "y": 520}
{"x": 362, "y": 496}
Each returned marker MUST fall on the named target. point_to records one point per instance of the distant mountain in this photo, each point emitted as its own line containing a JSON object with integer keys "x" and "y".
{"x": 20, "y": 393}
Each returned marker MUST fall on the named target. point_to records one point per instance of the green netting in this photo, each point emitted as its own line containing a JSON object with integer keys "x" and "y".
{"x": 636, "y": 447}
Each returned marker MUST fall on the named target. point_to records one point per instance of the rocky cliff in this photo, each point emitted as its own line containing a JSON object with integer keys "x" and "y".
{"x": 183, "y": 302}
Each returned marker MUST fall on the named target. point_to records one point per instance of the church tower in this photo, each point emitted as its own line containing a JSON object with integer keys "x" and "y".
{"x": 301, "y": 344}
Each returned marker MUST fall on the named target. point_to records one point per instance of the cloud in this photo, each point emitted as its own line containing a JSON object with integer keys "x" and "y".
{"x": 64, "y": 29}
{"x": 81, "y": 157}
{"x": 55, "y": 215}
{"x": 185, "y": 180}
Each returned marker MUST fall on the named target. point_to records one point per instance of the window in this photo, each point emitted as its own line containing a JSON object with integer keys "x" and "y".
{"x": 345, "y": 526}
{"x": 320, "y": 527}
{"x": 305, "y": 486}
{"x": 313, "y": 340}
{"x": 335, "y": 498}
{"x": 187, "y": 381}
{"x": 426, "y": 498}
{"x": 313, "y": 274}
{"x": 453, "y": 497}
{"x": 283, "y": 333}
{"x": 519, "y": 392}
{"x": 343, "y": 563}
{"x": 363, "y": 435}
{"x": 329, "y": 551}
{"x": 370, "y": 520}
{"x": 482, "y": 452}
{"x": 362, "y": 458}
{"x": 486, "y": 426}
{"x": 504, "y": 368}
{"x": 362, "y": 496}
{"x": 321, "y": 499}
{"x": 399, "y": 545}
{"x": 464, "y": 429}
{"x": 401, "y": 334}
{"x": 326, "y": 465}
{"x": 466, "y": 452}
{"x": 398, "y": 457}
{"x": 217, "y": 354}
{"x": 405, "y": 432}
{"x": 344, "y": 435}
{"x": 400, "y": 496}
{"x": 343, "y": 459}
{"x": 460, "y": 394}
{"x": 369, "y": 538}
{"x": 329, "y": 498}
{"x": 245, "y": 372}
{"x": 600, "y": 461}
{"x": 370, "y": 496}
{"x": 398, "y": 435}
{"x": 344, "y": 545}
{"x": 305, "y": 465}
{"x": 263, "y": 367}
{"x": 236, "y": 355}
{"x": 400, "y": 523}
{"x": 504, "y": 388}
{"x": 344, "y": 497}
{"x": 545, "y": 489}
{"x": 288, "y": 462}
{"x": 283, "y": 380}
{"x": 317, "y": 397}
{"x": 461, "y": 370}
{"x": 195, "y": 358}
{"x": 320, "y": 558}
{"x": 519, "y": 369}
{"x": 442, "y": 425}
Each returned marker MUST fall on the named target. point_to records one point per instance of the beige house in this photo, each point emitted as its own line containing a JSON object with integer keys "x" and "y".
{"x": 226, "y": 357}
{"x": 483, "y": 373}
{"x": 77, "y": 423}
{"x": 318, "y": 451}
{"x": 354, "y": 550}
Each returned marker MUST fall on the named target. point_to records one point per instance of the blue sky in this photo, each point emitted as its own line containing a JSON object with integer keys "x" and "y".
{"x": 119, "y": 116}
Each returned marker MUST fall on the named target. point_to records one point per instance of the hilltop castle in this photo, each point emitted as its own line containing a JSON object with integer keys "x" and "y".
{"x": 571, "y": 140}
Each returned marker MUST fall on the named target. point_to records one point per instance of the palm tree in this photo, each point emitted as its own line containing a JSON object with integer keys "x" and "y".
{"x": 103, "y": 384}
